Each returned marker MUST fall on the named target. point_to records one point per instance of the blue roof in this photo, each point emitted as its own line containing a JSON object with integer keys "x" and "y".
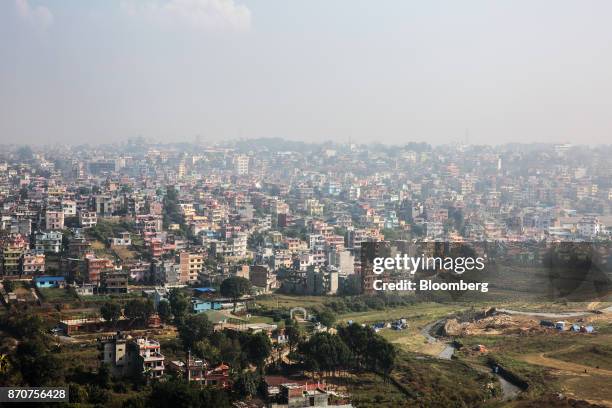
{"x": 205, "y": 290}
{"x": 49, "y": 278}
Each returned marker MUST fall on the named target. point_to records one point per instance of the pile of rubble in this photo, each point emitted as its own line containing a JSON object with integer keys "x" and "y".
{"x": 496, "y": 324}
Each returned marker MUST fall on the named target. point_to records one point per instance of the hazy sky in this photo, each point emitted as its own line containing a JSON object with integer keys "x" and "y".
{"x": 391, "y": 71}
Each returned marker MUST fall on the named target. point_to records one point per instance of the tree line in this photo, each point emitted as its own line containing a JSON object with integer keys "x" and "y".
{"x": 354, "y": 348}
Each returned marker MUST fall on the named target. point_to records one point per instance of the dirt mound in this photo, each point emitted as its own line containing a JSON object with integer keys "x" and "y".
{"x": 452, "y": 327}
{"x": 496, "y": 324}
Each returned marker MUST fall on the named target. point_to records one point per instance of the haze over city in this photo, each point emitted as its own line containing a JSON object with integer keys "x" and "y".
{"x": 324, "y": 204}
{"x": 392, "y": 72}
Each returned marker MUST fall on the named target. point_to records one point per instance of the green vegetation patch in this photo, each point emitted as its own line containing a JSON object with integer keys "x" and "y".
{"x": 370, "y": 390}
{"x": 443, "y": 383}
{"x": 57, "y": 294}
{"x": 538, "y": 378}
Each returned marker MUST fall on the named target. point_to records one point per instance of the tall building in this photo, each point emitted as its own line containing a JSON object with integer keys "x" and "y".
{"x": 262, "y": 277}
{"x": 54, "y": 220}
{"x": 12, "y": 250}
{"x": 191, "y": 265}
{"x": 241, "y": 165}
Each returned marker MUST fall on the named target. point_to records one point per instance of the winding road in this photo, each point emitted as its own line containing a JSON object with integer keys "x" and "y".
{"x": 509, "y": 390}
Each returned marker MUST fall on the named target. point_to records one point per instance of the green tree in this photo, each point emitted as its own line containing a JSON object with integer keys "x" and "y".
{"x": 134, "y": 402}
{"x": 381, "y": 355}
{"x": 139, "y": 310}
{"x": 325, "y": 351}
{"x": 203, "y": 348}
{"x": 164, "y": 310}
{"x": 194, "y": 328}
{"x": 77, "y": 393}
{"x": 179, "y": 304}
{"x": 327, "y": 318}
{"x": 177, "y": 393}
{"x": 294, "y": 336}
{"x": 37, "y": 365}
{"x": 356, "y": 337}
{"x": 9, "y": 285}
{"x": 111, "y": 312}
{"x": 25, "y": 153}
{"x": 258, "y": 349}
{"x": 235, "y": 287}
{"x": 172, "y": 211}
{"x": 103, "y": 377}
{"x": 369, "y": 350}
{"x": 97, "y": 395}
{"x": 246, "y": 384}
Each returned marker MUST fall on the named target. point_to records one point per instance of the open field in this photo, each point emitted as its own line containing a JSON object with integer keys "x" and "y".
{"x": 419, "y": 382}
{"x": 592, "y": 355}
{"x": 418, "y": 315}
{"x": 288, "y": 301}
{"x": 101, "y": 250}
{"x": 123, "y": 253}
{"x": 57, "y": 295}
{"x": 419, "y": 312}
{"x": 443, "y": 383}
{"x": 370, "y": 390}
{"x": 263, "y": 319}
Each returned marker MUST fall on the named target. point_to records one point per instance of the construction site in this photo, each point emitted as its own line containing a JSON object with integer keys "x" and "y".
{"x": 499, "y": 322}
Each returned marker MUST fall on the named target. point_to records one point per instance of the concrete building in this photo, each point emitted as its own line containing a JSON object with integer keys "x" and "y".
{"x": 13, "y": 249}
{"x": 148, "y": 359}
{"x": 114, "y": 281}
{"x": 54, "y": 220}
{"x": 48, "y": 242}
{"x": 88, "y": 219}
{"x": 191, "y": 264}
{"x": 124, "y": 239}
{"x": 241, "y": 165}
{"x": 199, "y": 371}
{"x": 167, "y": 272}
{"x": 32, "y": 263}
{"x": 69, "y": 208}
{"x": 262, "y": 277}
{"x": 95, "y": 267}
{"x": 127, "y": 356}
{"x": 588, "y": 227}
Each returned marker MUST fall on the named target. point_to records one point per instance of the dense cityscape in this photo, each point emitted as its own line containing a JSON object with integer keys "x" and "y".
{"x": 139, "y": 274}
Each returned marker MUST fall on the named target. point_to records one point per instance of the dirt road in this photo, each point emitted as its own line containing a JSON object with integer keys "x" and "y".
{"x": 542, "y": 360}
{"x": 547, "y": 315}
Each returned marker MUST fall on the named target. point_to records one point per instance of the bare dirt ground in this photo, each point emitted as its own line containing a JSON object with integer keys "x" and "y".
{"x": 543, "y": 360}
{"x": 581, "y": 381}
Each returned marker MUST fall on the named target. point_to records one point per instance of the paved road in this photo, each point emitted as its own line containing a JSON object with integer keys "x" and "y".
{"x": 447, "y": 353}
{"x": 509, "y": 390}
{"x": 426, "y": 331}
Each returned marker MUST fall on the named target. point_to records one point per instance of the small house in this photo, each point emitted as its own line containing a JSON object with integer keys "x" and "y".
{"x": 50, "y": 282}
{"x": 201, "y": 305}
{"x": 86, "y": 289}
